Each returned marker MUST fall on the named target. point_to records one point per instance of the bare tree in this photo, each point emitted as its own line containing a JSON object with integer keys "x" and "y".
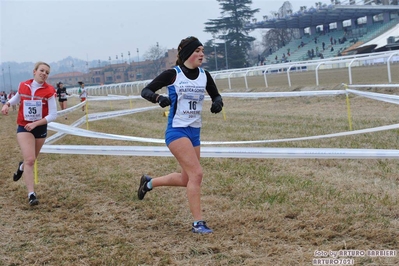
{"x": 157, "y": 56}
{"x": 274, "y": 39}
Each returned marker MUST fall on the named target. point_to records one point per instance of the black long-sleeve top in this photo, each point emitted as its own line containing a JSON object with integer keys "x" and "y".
{"x": 168, "y": 77}
{"x": 60, "y": 91}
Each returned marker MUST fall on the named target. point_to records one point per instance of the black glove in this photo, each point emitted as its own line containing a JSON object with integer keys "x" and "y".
{"x": 217, "y": 106}
{"x": 163, "y": 101}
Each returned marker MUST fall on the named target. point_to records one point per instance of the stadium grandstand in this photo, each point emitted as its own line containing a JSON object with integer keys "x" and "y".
{"x": 339, "y": 28}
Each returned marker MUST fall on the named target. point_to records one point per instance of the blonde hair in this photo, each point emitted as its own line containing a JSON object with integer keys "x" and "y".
{"x": 40, "y": 63}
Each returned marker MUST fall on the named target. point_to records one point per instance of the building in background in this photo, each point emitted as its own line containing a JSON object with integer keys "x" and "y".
{"x": 118, "y": 73}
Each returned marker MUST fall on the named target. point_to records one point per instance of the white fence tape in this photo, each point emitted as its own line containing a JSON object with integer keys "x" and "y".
{"x": 225, "y": 152}
{"x": 373, "y": 86}
{"x": 111, "y": 97}
{"x": 92, "y": 134}
{"x": 221, "y": 152}
{"x": 106, "y": 115}
{"x": 70, "y": 109}
{"x": 64, "y": 129}
{"x": 377, "y": 96}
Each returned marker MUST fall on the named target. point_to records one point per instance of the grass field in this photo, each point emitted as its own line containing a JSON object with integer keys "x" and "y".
{"x": 263, "y": 211}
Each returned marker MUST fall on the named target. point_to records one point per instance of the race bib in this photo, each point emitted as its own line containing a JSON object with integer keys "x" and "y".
{"x": 63, "y": 96}
{"x": 32, "y": 110}
{"x": 190, "y": 105}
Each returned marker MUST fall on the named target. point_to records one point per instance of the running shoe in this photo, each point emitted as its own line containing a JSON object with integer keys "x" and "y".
{"x": 201, "y": 228}
{"x": 143, "y": 189}
{"x": 33, "y": 200}
{"x": 18, "y": 173}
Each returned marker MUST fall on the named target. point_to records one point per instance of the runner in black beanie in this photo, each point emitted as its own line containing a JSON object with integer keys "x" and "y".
{"x": 187, "y": 85}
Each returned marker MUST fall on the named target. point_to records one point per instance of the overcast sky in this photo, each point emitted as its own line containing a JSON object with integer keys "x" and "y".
{"x": 96, "y": 29}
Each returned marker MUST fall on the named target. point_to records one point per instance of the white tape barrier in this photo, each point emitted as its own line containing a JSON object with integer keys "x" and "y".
{"x": 371, "y": 85}
{"x": 233, "y": 152}
{"x": 91, "y": 117}
{"x": 60, "y": 134}
{"x": 73, "y": 130}
{"x": 99, "y": 135}
{"x": 77, "y": 123}
{"x": 106, "y": 115}
{"x": 377, "y": 96}
{"x": 224, "y": 152}
{"x": 111, "y": 97}
{"x": 98, "y": 98}
{"x": 127, "y": 97}
{"x": 92, "y": 134}
{"x": 70, "y": 109}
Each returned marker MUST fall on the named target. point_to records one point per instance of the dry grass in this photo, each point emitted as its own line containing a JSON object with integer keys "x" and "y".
{"x": 263, "y": 211}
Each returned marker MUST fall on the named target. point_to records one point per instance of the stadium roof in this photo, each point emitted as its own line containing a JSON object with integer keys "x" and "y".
{"x": 323, "y": 16}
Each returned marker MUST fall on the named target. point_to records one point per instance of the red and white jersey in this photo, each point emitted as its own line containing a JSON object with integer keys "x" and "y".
{"x": 35, "y": 106}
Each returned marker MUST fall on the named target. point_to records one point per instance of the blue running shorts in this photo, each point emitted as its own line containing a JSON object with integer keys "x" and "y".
{"x": 192, "y": 133}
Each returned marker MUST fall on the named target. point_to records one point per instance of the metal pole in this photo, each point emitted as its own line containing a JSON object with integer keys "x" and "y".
{"x": 225, "y": 53}
{"x": 9, "y": 72}
{"x": 216, "y": 60}
{"x": 138, "y": 62}
{"x": 4, "y": 80}
{"x": 73, "y": 74}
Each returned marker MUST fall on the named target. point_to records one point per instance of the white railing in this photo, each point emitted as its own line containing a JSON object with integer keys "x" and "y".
{"x": 388, "y": 58}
